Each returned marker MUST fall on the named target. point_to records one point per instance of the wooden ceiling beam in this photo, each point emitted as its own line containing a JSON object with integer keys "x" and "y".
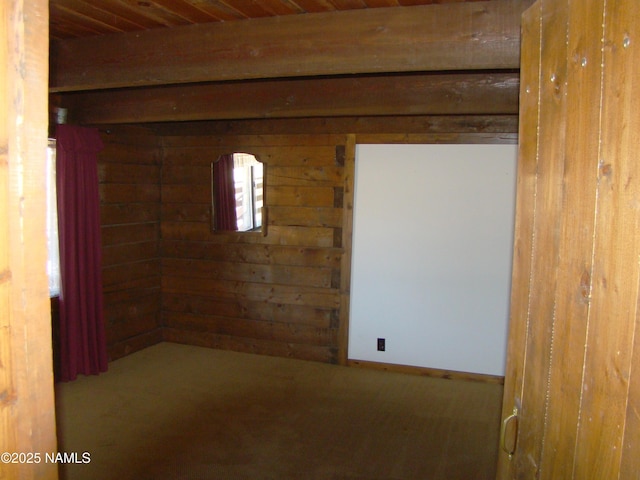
{"x": 439, "y": 37}
{"x": 406, "y": 124}
{"x": 409, "y": 94}
{"x": 496, "y": 126}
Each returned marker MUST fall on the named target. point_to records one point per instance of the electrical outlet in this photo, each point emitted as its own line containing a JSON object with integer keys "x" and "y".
{"x": 381, "y": 344}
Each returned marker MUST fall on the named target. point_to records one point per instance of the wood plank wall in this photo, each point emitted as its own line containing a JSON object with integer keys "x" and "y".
{"x": 277, "y": 294}
{"x": 167, "y": 276}
{"x": 129, "y": 175}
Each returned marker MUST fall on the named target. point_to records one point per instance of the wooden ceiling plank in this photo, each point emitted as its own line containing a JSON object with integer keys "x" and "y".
{"x": 122, "y": 15}
{"x": 348, "y": 4}
{"x": 416, "y": 94}
{"x": 381, "y": 3}
{"x": 186, "y": 10}
{"x": 124, "y": 11}
{"x": 281, "y": 7}
{"x": 218, "y": 9}
{"x": 91, "y": 17}
{"x": 314, "y": 6}
{"x": 410, "y": 3}
{"x": 248, "y": 8}
{"x": 461, "y": 36}
{"x": 155, "y": 11}
{"x": 65, "y": 28}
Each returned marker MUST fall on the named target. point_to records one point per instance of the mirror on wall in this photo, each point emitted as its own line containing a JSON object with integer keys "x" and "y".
{"x": 237, "y": 185}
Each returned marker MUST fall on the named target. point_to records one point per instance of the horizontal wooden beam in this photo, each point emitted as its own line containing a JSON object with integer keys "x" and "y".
{"x": 453, "y": 36}
{"x": 443, "y": 138}
{"x": 414, "y": 94}
{"x": 406, "y": 124}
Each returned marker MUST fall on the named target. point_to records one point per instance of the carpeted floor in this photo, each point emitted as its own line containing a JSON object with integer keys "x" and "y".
{"x": 179, "y": 412}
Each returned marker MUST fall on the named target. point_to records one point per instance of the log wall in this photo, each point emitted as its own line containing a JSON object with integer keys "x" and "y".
{"x": 168, "y": 277}
{"x": 129, "y": 175}
{"x": 277, "y": 294}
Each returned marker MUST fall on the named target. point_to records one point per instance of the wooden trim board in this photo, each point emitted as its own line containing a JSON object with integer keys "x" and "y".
{"x": 427, "y": 372}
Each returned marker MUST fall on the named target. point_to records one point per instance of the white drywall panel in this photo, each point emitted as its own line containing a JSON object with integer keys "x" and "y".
{"x": 432, "y": 252}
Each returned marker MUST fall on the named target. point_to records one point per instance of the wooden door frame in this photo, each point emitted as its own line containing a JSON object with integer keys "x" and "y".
{"x": 27, "y": 418}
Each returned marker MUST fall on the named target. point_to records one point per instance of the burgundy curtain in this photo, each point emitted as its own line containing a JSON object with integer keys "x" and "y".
{"x": 82, "y": 336}
{"x": 225, "y": 194}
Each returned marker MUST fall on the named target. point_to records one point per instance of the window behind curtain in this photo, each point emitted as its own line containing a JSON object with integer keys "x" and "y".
{"x": 53, "y": 259}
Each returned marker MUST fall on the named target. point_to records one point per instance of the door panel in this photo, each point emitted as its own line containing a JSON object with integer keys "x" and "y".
{"x": 570, "y": 366}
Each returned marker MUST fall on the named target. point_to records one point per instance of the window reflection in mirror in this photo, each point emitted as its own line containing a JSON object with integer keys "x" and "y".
{"x": 237, "y": 182}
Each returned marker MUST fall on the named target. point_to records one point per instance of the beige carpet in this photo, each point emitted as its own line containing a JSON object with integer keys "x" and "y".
{"x": 181, "y": 412}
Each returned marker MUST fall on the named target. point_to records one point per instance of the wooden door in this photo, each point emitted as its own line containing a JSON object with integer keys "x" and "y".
{"x": 573, "y": 366}
{"x": 27, "y": 424}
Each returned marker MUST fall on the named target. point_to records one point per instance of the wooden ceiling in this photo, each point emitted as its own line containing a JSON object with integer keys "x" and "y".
{"x": 85, "y": 18}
